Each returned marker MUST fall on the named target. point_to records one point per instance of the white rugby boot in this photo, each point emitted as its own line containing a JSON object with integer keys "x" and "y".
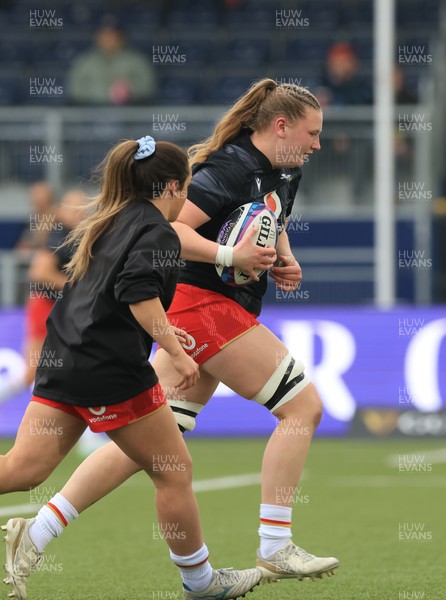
{"x": 226, "y": 584}
{"x": 294, "y": 562}
{"x": 22, "y": 557}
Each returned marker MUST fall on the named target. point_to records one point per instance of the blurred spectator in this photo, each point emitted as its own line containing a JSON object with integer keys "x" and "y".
{"x": 111, "y": 73}
{"x": 403, "y": 95}
{"x": 46, "y": 280}
{"x": 41, "y": 198}
{"x": 341, "y": 84}
{"x": 404, "y": 142}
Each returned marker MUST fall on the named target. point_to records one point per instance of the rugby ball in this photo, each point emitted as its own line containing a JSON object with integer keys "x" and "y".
{"x": 252, "y": 214}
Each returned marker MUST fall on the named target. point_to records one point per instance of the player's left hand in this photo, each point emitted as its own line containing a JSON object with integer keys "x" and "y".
{"x": 287, "y": 274}
{"x": 182, "y": 336}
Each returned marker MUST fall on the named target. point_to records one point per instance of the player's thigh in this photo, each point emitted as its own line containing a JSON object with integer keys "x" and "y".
{"x": 44, "y": 438}
{"x": 200, "y": 393}
{"x": 247, "y": 363}
{"x": 153, "y": 442}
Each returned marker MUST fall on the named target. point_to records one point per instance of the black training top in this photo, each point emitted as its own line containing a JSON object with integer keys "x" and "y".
{"x": 234, "y": 175}
{"x": 95, "y": 352}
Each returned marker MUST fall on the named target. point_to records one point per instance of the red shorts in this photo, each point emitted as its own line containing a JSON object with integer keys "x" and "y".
{"x": 37, "y": 312}
{"x": 211, "y": 320}
{"x": 114, "y": 416}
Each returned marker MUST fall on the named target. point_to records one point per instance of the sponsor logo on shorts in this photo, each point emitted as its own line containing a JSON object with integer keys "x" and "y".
{"x": 191, "y": 343}
{"x": 199, "y": 349}
{"x": 100, "y": 411}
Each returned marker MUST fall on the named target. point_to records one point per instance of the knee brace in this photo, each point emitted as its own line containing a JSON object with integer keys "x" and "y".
{"x": 185, "y": 413}
{"x": 286, "y": 381}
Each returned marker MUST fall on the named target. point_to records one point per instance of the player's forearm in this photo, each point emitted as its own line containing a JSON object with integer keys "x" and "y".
{"x": 151, "y": 316}
{"x": 194, "y": 246}
{"x": 283, "y": 245}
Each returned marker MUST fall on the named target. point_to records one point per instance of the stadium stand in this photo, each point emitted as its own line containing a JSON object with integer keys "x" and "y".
{"x": 249, "y": 33}
{"x": 226, "y": 45}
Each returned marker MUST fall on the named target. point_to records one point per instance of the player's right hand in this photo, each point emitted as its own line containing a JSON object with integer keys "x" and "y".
{"x": 248, "y": 256}
{"x": 187, "y": 368}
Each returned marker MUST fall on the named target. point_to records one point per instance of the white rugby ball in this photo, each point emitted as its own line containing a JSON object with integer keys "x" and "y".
{"x": 243, "y": 218}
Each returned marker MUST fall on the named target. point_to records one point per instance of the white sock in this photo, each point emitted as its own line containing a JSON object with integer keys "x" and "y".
{"x": 275, "y": 528}
{"x": 51, "y": 521}
{"x": 196, "y": 571}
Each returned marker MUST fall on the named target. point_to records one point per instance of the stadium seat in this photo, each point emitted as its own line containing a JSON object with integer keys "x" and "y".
{"x": 416, "y": 14}
{"x": 356, "y": 14}
{"x": 204, "y": 20}
{"x": 245, "y": 51}
{"x": 362, "y": 42}
{"x": 228, "y": 88}
{"x": 255, "y": 16}
{"x": 321, "y": 15}
{"x": 65, "y": 50}
{"x": 141, "y": 18}
{"x": 9, "y": 89}
{"x": 179, "y": 89}
{"x": 15, "y": 50}
{"x": 197, "y": 52}
{"x": 306, "y": 48}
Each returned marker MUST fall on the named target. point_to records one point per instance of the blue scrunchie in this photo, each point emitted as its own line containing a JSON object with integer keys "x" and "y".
{"x": 146, "y": 147}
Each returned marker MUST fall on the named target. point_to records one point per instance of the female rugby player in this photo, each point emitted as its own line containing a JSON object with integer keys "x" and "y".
{"x": 94, "y": 367}
{"x": 255, "y": 153}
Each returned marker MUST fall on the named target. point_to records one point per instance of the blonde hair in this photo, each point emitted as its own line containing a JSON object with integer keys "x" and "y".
{"x": 255, "y": 110}
{"x": 122, "y": 181}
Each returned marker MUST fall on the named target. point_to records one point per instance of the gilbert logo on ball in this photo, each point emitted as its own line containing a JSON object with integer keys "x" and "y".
{"x": 236, "y": 226}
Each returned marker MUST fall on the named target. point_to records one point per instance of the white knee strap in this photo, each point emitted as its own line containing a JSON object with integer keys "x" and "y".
{"x": 286, "y": 381}
{"x": 185, "y": 413}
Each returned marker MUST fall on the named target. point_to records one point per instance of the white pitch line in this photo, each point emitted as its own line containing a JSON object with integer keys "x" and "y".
{"x": 19, "y": 509}
{"x": 203, "y": 485}
{"x": 227, "y": 483}
{"x": 401, "y": 480}
{"x": 429, "y": 456}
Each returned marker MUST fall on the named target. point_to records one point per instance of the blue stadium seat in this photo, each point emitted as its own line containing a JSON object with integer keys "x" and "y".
{"x": 416, "y": 14}
{"x": 362, "y": 42}
{"x": 200, "y": 20}
{"x": 64, "y": 50}
{"x": 245, "y": 51}
{"x": 179, "y": 89}
{"x": 321, "y": 15}
{"x": 255, "y": 16}
{"x": 358, "y": 13}
{"x": 195, "y": 52}
{"x": 9, "y": 89}
{"x": 227, "y": 88}
{"x": 16, "y": 50}
{"x": 143, "y": 18}
{"x": 306, "y": 48}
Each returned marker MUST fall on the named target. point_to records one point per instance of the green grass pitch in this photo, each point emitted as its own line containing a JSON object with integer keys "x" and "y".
{"x": 387, "y": 526}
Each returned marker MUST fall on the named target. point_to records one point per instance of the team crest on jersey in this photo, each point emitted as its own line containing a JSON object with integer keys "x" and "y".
{"x": 273, "y": 202}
